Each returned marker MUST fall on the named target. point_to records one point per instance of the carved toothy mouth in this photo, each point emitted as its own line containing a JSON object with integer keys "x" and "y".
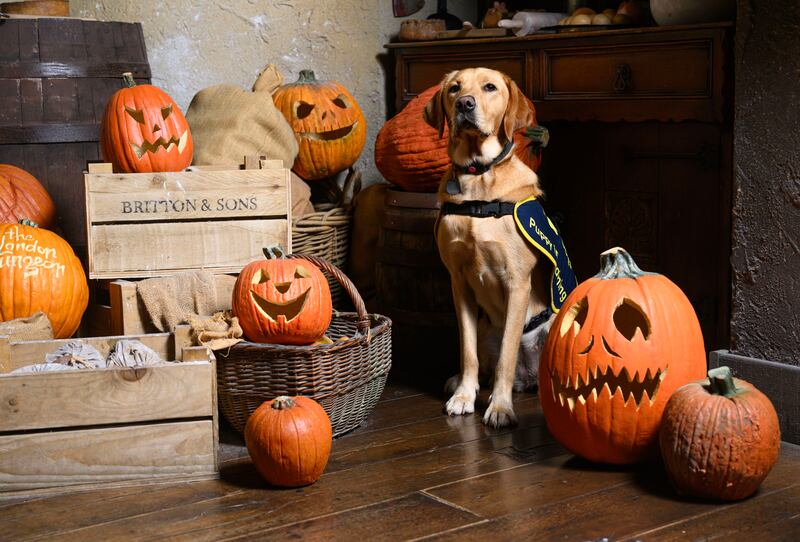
{"x": 330, "y": 134}
{"x": 167, "y": 144}
{"x": 289, "y": 310}
{"x": 588, "y": 387}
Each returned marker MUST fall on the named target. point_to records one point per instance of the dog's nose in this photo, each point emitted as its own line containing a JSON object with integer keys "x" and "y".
{"x": 465, "y": 104}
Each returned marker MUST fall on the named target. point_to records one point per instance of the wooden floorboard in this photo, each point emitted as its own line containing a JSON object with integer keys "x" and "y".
{"x": 411, "y": 472}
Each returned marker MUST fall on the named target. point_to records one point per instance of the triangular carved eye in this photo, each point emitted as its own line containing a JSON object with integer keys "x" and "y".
{"x": 628, "y": 317}
{"x": 301, "y": 272}
{"x": 260, "y": 277}
{"x": 575, "y": 317}
{"x": 302, "y": 109}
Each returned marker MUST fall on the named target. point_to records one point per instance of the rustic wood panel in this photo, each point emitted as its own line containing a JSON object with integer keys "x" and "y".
{"x": 156, "y": 249}
{"x": 94, "y": 455}
{"x": 105, "y": 396}
{"x": 185, "y": 196}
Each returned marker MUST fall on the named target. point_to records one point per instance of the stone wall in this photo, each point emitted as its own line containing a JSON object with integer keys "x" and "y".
{"x": 192, "y": 44}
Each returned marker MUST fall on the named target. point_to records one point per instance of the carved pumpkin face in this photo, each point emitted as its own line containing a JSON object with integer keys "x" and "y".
{"x": 621, "y": 344}
{"x": 328, "y": 123}
{"x": 144, "y": 131}
{"x": 283, "y": 301}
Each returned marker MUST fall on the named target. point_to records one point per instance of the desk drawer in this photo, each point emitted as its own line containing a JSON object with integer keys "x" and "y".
{"x": 651, "y": 70}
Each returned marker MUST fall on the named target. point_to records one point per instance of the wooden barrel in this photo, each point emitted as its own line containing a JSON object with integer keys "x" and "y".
{"x": 56, "y": 76}
{"x": 413, "y": 285}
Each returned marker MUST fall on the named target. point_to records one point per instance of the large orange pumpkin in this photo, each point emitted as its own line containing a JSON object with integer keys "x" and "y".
{"x": 410, "y": 154}
{"x": 328, "y": 123}
{"x": 143, "y": 131}
{"x": 284, "y": 301}
{"x": 23, "y": 196}
{"x": 623, "y": 341}
{"x": 720, "y": 437}
{"x": 40, "y": 272}
{"x": 289, "y": 440}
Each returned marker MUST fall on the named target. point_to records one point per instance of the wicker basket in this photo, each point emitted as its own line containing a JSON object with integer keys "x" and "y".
{"x": 346, "y": 377}
{"x": 326, "y": 234}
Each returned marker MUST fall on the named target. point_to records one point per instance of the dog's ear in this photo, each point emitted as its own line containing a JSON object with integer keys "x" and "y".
{"x": 434, "y": 113}
{"x": 518, "y": 112}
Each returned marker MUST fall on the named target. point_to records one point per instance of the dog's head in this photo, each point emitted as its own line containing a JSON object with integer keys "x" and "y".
{"x": 478, "y": 102}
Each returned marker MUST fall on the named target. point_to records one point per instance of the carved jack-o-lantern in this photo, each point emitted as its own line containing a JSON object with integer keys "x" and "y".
{"x": 328, "y": 123}
{"x": 621, "y": 344}
{"x": 282, "y": 301}
{"x": 143, "y": 131}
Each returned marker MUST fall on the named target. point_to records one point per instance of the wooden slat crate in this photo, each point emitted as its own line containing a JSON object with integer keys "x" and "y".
{"x": 154, "y": 224}
{"x": 77, "y": 429}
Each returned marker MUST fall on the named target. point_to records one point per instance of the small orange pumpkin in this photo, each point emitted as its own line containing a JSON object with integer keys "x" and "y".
{"x": 328, "y": 123}
{"x": 40, "y": 272}
{"x": 410, "y": 154}
{"x": 719, "y": 438}
{"x": 144, "y": 131}
{"x": 289, "y": 440}
{"x": 623, "y": 341}
{"x": 23, "y": 196}
{"x": 284, "y": 301}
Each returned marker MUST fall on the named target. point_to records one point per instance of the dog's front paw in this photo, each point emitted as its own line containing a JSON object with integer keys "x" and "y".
{"x": 462, "y": 402}
{"x": 500, "y": 413}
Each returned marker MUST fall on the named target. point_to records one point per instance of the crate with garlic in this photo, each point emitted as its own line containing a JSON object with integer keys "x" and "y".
{"x": 82, "y": 412}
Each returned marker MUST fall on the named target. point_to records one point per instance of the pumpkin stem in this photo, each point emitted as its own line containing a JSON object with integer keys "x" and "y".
{"x": 721, "y": 382}
{"x": 306, "y": 76}
{"x": 128, "y": 78}
{"x": 282, "y": 403}
{"x": 616, "y": 263}
{"x": 28, "y": 222}
{"x": 274, "y": 252}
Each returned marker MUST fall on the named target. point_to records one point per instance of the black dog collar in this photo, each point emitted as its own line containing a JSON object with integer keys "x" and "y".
{"x": 453, "y": 186}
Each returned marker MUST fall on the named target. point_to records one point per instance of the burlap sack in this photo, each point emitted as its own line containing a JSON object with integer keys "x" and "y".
{"x": 33, "y": 328}
{"x": 228, "y": 123}
{"x": 171, "y": 300}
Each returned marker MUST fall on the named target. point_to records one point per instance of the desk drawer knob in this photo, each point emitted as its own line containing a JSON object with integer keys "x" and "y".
{"x": 624, "y": 78}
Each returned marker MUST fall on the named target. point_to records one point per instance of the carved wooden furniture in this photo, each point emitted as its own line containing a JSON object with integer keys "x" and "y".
{"x": 640, "y": 152}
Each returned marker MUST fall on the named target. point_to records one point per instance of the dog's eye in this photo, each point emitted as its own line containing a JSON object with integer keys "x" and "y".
{"x": 489, "y": 87}
{"x": 453, "y": 88}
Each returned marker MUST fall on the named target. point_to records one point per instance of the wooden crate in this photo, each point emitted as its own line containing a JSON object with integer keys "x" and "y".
{"x": 77, "y": 429}
{"x": 155, "y": 224}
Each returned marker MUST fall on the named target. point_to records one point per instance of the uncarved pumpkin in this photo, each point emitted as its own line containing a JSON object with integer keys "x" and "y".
{"x": 719, "y": 437}
{"x": 328, "y": 122}
{"x": 289, "y": 440}
{"x": 283, "y": 301}
{"x": 410, "y": 154}
{"x": 23, "y": 196}
{"x": 622, "y": 343}
{"x": 40, "y": 272}
{"x": 144, "y": 131}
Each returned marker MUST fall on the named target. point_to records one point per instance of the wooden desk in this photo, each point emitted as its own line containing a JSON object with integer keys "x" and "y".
{"x": 641, "y": 143}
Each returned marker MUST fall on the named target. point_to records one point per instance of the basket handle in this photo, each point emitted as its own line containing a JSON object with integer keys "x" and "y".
{"x": 363, "y": 324}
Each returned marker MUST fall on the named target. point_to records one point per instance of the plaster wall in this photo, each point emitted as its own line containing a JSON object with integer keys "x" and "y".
{"x": 193, "y": 44}
{"x": 766, "y": 216}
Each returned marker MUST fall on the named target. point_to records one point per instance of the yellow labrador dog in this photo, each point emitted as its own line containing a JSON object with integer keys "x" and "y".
{"x": 500, "y": 282}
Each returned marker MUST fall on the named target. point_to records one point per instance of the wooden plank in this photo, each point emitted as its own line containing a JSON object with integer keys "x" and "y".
{"x": 106, "y": 396}
{"x": 51, "y": 132}
{"x": 30, "y": 352}
{"x": 185, "y": 196}
{"x": 141, "y": 452}
{"x": 20, "y": 70}
{"x": 406, "y": 518}
{"x": 149, "y": 250}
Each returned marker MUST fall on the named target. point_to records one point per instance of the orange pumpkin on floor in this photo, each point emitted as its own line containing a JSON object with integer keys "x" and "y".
{"x": 410, "y": 154}
{"x": 283, "y": 301}
{"x": 720, "y": 437}
{"x": 144, "y": 131}
{"x": 289, "y": 440}
{"x": 328, "y": 123}
{"x": 622, "y": 343}
{"x": 23, "y": 196}
{"x": 40, "y": 272}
